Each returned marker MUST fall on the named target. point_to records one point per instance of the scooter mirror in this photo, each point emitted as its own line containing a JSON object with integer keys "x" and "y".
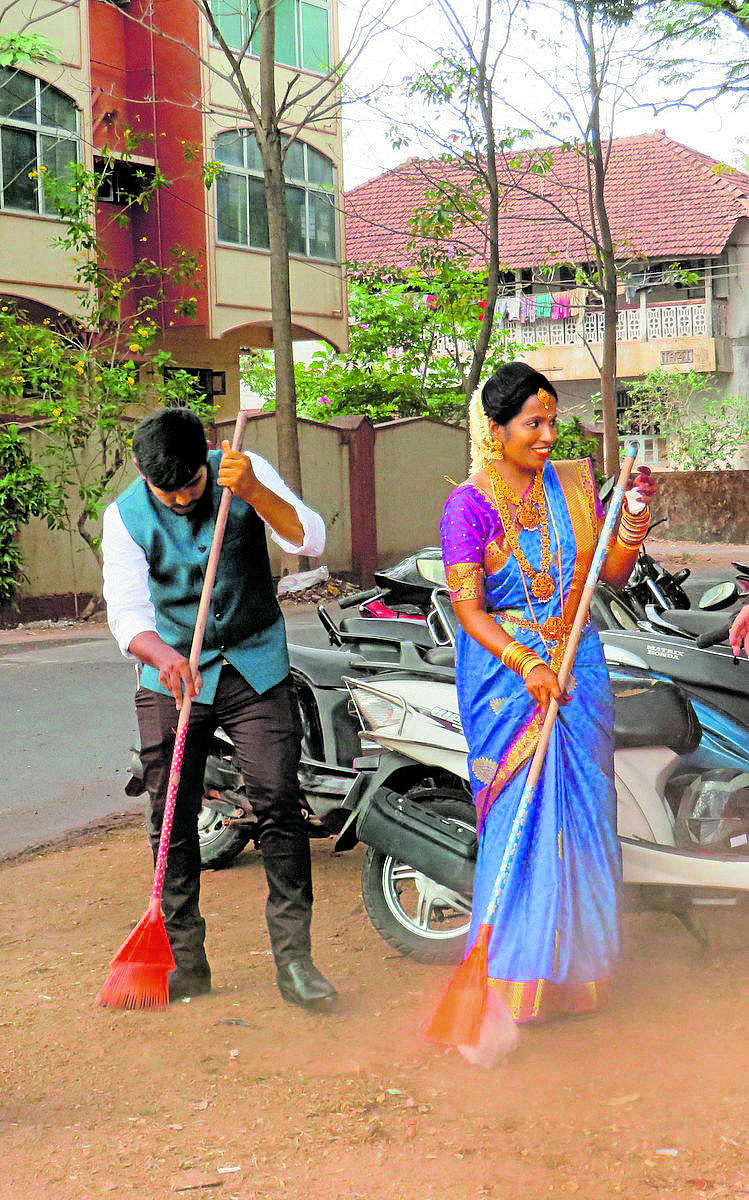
{"x": 606, "y": 489}
{"x": 432, "y": 569}
{"x": 720, "y": 595}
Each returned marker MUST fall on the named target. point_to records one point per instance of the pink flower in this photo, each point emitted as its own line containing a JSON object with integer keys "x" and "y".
{"x": 325, "y": 400}
{"x": 432, "y": 302}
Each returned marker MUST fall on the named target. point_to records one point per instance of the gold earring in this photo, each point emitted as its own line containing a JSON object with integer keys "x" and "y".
{"x": 498, "y": 448}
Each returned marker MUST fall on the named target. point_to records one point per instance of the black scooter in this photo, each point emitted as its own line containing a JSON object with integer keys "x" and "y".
{"x": 330, "y": 743}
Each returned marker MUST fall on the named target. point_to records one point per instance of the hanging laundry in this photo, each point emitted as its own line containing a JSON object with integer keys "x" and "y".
{"x": 528, "y": 308}
{"x": 543, "y": 304}
{"x": 560, "y": 309}
{"x": 513, "y": 308}
{"x": 578, "y": 301}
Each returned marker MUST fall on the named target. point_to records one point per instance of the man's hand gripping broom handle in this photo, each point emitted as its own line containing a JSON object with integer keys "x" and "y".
{"x": 197, "y": 645}
{"x": 581, "y": 617}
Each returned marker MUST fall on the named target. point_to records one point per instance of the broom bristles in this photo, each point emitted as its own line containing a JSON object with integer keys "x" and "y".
{"x": 457, "y": 1019}
{"x": 139, "y": 974}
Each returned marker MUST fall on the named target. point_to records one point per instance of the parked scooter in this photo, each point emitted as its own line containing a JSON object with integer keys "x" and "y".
{"x": 683, "y": 821}
{"x": 330, "y": 740}
{"x": 227, "y": 822}
{"x": 680, "y": 646}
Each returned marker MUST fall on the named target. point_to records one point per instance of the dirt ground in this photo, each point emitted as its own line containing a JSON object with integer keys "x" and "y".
{"x": 239, "y": 1096}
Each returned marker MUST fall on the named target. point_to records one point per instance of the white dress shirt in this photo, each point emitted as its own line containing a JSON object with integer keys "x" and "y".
{"x": 127, "y": 594}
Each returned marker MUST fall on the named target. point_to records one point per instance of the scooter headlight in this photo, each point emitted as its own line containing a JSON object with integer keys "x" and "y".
{"x": 375, "y": 711}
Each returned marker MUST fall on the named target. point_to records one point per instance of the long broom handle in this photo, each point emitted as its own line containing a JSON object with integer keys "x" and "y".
{"x": 568, "y": 660}
{"x": 197, "y": 645}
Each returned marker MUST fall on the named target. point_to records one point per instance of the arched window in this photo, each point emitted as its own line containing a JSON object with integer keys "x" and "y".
{"x": 38, "y": 129}
{"x": 310, "y": 196}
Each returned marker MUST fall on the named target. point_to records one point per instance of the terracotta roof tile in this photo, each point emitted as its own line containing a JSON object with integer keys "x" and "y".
{"x": 664, "y": 200}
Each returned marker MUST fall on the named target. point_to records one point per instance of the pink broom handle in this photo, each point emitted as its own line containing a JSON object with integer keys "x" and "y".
{"x": 197, "y": 645}
{"x": 568, "y": 660}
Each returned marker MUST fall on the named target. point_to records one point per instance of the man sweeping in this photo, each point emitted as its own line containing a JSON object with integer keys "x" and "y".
{"x": 155, "y": 544}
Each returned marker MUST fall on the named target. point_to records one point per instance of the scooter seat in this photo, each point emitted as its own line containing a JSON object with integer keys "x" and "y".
{"x": 323, "y": 668}
{"x": 375, "y": 629}
{"x": 688, "y": 621}
{"x": 654, "y": 712}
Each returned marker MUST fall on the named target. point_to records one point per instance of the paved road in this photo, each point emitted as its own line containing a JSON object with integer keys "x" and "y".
{"x": 67, "y": 717}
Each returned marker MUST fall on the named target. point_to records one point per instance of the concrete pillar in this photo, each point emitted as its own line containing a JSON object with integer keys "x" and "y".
{"x": 358, "y": 433}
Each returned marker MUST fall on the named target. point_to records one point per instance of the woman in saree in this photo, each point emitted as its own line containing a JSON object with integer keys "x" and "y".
{"x": 518, "y": 538}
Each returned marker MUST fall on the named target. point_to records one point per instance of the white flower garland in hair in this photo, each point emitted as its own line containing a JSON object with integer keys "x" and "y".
{"x": 482, "y": 445}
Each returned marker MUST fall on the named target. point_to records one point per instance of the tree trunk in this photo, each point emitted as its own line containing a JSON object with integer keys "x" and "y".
{"x": 608, "y": 382}
{"x": 604, "y": 252}
{"x": 287, "y": 434}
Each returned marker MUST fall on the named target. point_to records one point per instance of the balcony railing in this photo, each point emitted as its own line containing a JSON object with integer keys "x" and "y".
{"x": 655, "y": 322}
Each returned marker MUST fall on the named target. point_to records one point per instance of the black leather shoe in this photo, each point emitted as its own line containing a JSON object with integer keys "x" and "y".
{"x": 300, "y": 982}
{"x": 183, "y": 984}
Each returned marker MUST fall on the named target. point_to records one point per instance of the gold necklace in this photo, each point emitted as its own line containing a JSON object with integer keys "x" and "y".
{"x": 528, "y": 506}
{"x": 542, "y": 582}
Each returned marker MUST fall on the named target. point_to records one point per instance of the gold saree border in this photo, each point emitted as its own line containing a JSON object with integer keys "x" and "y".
{"x": 540, "y": 999}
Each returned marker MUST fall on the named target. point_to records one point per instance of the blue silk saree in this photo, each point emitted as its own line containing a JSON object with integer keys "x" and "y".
{"x": 554, "y": 939}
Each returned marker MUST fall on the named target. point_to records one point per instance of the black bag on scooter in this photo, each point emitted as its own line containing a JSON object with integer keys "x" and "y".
{"x": 430, "y": 843}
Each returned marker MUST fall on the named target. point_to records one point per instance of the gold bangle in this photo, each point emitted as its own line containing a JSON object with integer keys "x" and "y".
{"x": 532, "y": 661}
{"x": 520, "y": 659}
{"x": 632, "y": 529}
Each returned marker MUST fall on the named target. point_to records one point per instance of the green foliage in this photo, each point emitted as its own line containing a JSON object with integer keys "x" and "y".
{"x": 87, "y": 380}
{"x": 677, "y": 23}
{"x": 704, "y": 429}
{"x": 573, "y": 441}
{"x": 16, "y": 48}
{"x": 24, "y": 493}
{"x": 411, "y": 337}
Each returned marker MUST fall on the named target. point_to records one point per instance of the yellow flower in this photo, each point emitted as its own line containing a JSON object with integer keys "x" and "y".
{"x": 134, "y": 347}
{"x": 131, "y": 381}
{"x": 56, "y": 412}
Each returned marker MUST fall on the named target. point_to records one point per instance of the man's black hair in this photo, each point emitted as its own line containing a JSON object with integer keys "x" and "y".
{"x": 170, "y": 447}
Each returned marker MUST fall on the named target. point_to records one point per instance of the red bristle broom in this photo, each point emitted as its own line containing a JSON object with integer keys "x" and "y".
{"x": 139, "y": 972}
{"x": 470, "y": 1015}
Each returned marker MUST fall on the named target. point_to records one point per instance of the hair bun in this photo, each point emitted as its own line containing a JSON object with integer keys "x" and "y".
{"x": 504, "y": 393}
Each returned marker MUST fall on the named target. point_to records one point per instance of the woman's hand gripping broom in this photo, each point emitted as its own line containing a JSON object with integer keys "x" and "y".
{"x": 139, "y": 973}
{"x": 470, "y": 1015}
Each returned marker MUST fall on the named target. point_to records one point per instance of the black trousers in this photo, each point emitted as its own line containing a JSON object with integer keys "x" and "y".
{"x": 266, "y": 732}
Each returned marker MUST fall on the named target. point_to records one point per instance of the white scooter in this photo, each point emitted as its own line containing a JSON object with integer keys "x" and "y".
{"x": 684, "y": 833}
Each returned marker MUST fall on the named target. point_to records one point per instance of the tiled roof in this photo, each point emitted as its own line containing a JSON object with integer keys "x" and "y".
{"x": 663, "y": 200}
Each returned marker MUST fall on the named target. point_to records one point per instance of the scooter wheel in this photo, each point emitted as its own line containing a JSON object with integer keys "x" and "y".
{"x": 220, "y": 844}
{"x": 414, "y": 914}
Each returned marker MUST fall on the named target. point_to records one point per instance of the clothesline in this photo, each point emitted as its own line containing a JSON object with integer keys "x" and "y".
{"x": 532, "y": 306}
